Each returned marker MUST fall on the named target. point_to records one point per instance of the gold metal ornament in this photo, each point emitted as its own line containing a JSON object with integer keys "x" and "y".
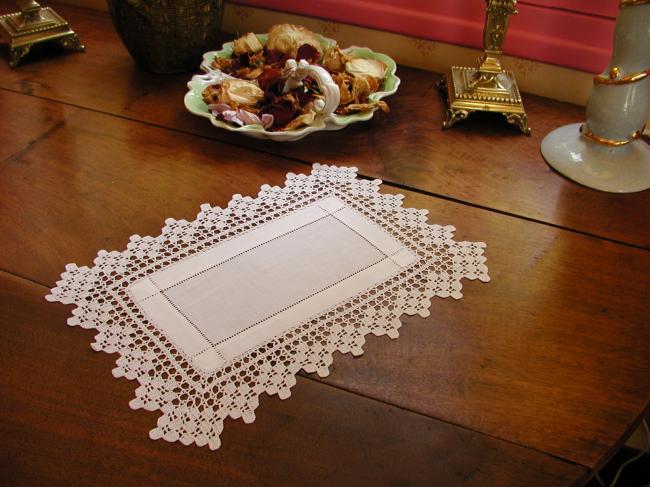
{"x": 32, "y": 25}
{"x": 488, "y": 87}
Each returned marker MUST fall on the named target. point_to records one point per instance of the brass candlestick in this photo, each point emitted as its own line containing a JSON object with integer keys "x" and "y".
{"x": 488, "y": 87}
{"x": 32, "y": 25}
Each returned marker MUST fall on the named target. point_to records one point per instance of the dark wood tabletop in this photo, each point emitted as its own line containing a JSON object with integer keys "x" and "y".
{"x": 536, "y": 378}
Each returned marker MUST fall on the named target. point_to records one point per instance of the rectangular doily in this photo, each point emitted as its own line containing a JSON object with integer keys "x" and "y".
{"x": 213, "y": 312}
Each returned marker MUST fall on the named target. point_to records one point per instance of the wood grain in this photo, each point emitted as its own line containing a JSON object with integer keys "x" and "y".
{"x": 74, "y": 175}
{"x": 64, "y": 420}
{"x": 552, "y": 353}
{"x": 527, "y": 358}
{"x": 482, "y": 161}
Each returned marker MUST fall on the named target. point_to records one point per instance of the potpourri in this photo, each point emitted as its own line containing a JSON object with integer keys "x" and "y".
{"x": 257, "y": 94}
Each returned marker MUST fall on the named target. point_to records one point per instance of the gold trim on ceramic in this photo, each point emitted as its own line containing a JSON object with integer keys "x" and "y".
{"x": 615, "y": 80}
{"x": 610, "y": 142}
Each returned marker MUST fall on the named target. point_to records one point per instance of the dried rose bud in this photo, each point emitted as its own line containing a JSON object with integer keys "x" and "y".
{"x": 344, "y": 82}
{"x": 287, "y": 38}
{"x": 334, "y": 59}
{"x": 211, "y": 94}
{"x": 370, "y": 67}
{"x": 248, "y": 43}
{"x": 364, "y": 85}
{"x": 236, "y": 92}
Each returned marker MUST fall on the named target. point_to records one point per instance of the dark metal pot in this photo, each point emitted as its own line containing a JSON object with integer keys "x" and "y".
{"x": 167, "y": 36}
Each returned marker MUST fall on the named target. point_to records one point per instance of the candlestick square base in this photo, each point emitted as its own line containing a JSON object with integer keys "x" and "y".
{"x": 469, "y": 90}
{"x": 21, "y": 30}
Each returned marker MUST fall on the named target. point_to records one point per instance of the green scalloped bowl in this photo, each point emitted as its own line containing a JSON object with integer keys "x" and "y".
{"x": 194, "y": 101}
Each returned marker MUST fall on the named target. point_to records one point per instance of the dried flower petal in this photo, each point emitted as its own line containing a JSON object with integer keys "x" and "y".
{"x": 247, "y": 43}
{"x": 231, "y": 116}
{"x": 243, "y": 60}
{"x": 257, "y": 59}
{"x": 344, "y": 81}
{"x": 371, "y": 67}
{"x": 275, "y": 58}
{"x": 237, "y": 92}
{"x": 267, "y": 120}
{"x": 221, "y": 63}
{"x": 218, "y": 108}
{"x": 362, "y": 86}
{"x": 305, "y": 97}
{"x": 283, "y": 111}
{"x": 309, "y": 53}
{"x": 360, "y": 107}
{"x": 243, "y": 117}
{"x": 250, "y": 73}
{"x": 271, "y": 80}
{"x": 248, "y": 118}
{"x": 287, "y": 38}
{"x": 211, "y": 94}
{"x": 334, "y": 59}
{"x": 304, "y": 119}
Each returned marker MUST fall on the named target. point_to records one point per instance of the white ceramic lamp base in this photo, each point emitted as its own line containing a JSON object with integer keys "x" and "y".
{"x": 624, "y": 169}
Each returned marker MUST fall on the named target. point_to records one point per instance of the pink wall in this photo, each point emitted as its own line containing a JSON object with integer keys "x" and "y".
{"x": 573, "y": 33}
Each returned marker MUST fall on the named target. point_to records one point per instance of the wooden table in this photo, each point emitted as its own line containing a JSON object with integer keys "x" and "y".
{"x": 533, "y": 379}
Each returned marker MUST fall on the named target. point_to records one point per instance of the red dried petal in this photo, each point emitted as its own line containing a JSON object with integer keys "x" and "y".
{"x": 282, "y": 111}
{"x": 270, "y": 80}
{"x": 275, "y": 58}
{"x": 244, "y": 60}
{"x": 305, "y": 97}
{"x": 308, "y": 52}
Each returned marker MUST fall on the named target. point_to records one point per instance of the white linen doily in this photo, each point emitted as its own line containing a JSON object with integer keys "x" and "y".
{"x": 213, "y": 312}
